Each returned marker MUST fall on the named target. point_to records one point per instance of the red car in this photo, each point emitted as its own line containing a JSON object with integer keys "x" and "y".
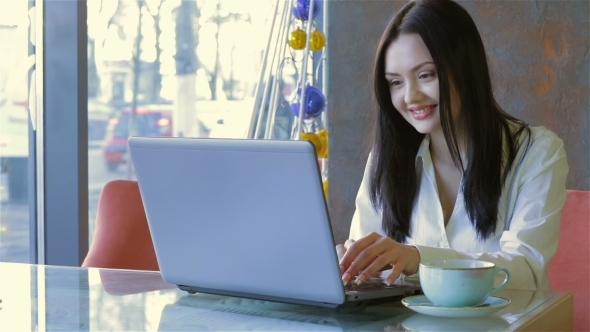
{"x": 150, "y": 120}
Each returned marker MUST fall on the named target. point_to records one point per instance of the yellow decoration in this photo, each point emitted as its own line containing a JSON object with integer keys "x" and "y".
{"x": 314, "y": 139}
{"x": 325, "y": 187}
{"x": 317, "y": 41}
{"x": 323, "y": 135}
{"x": 298, "y": 39}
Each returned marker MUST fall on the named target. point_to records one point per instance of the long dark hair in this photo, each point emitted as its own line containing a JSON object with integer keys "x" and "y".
{"x": 454, "y": 43}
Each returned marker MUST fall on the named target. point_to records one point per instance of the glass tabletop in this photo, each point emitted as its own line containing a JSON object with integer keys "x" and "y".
{"x": 51, "y": 298}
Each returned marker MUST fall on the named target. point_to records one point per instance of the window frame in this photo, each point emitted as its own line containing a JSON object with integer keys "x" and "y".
{"x": 62, "y": 171}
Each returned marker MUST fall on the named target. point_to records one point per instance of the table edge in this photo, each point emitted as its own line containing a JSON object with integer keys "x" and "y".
{"x": 544, "y": 317}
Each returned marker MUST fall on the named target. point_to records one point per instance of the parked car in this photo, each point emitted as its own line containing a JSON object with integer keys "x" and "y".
{"x": 98, "y": 118}
{"x": 150, "y": 120}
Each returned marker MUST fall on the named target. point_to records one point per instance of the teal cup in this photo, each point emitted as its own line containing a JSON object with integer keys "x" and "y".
{"x": 460, "y": 282}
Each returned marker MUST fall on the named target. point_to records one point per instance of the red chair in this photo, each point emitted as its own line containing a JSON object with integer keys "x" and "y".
{"x": 569, "y": 270}
{"x": 121, "y": 238}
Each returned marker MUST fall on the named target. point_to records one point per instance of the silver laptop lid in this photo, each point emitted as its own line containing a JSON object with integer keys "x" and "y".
{"x": 244, "y": 217}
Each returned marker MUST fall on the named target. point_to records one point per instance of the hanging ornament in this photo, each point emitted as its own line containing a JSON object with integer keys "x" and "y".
{"x": 298, "y": 39}
{"x": 301, "y": 9}
{"x": 323, "y": 135}
{"x": 295, "y": 110}
{"x": 317, "y": 41}
{"x": 316, "y": 141}
{"x": 315, "y": 102}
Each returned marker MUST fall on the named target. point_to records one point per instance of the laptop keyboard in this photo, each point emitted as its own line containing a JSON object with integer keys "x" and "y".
{"x": 367, "y": 286}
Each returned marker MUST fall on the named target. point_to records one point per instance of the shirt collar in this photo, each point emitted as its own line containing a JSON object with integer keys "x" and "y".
{"x": 424, "y": 149}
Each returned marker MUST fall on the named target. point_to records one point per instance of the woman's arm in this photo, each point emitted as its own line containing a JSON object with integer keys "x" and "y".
{"x": 366, "y": 228}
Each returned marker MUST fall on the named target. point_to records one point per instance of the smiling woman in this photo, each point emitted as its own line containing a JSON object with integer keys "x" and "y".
{"x": 451, "y": 175}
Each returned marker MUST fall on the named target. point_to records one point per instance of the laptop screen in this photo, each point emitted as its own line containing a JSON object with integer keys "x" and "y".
{"x": 244, "y": 216}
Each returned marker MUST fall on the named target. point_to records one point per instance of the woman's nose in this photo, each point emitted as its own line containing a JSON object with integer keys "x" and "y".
{"x": 412, "y": 94}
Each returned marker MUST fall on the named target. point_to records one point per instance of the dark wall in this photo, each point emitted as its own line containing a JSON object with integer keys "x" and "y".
{"x": 538, "y": 53}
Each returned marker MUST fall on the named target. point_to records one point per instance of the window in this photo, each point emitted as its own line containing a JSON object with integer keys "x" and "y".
{"x": 168, "y": 68}
{"x": 112, "y": 69}
{"x": 16, "y": 69}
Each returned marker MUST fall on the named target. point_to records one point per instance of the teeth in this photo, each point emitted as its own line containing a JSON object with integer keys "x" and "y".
{"x": 422, "y": 110}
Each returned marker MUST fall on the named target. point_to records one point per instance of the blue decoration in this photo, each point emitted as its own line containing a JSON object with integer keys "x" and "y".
{"x": 314, "y": 105}
{"x": 301, "y": 9}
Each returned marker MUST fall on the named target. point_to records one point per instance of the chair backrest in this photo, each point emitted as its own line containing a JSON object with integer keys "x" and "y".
{"x": 121, "y": 237}
{"x": 569, "y": 270}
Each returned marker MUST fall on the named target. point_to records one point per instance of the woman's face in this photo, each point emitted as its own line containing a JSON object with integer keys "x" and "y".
{"x": 413, "y": 83}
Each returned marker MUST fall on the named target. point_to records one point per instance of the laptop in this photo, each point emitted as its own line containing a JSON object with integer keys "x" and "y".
{"x": 244, "y": 218}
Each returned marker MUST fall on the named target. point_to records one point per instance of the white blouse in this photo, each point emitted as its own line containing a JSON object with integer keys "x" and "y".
{"x": 529, "y": 213}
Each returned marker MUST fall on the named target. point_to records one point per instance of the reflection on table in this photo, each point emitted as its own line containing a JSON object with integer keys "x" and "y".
{"x": 48, "y": 298}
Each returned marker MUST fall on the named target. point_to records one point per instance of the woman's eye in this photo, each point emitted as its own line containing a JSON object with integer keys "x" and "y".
{"x": 426, "y": 75}
{"x": 395, "y": 83}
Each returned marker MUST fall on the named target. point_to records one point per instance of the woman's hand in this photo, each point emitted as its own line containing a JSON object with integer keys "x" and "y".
{"x": 374, "y": 253}
{"x": 341, "y": 250}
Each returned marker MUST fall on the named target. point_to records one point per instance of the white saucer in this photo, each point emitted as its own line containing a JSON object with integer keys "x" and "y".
{"x": 493, "y": 304}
